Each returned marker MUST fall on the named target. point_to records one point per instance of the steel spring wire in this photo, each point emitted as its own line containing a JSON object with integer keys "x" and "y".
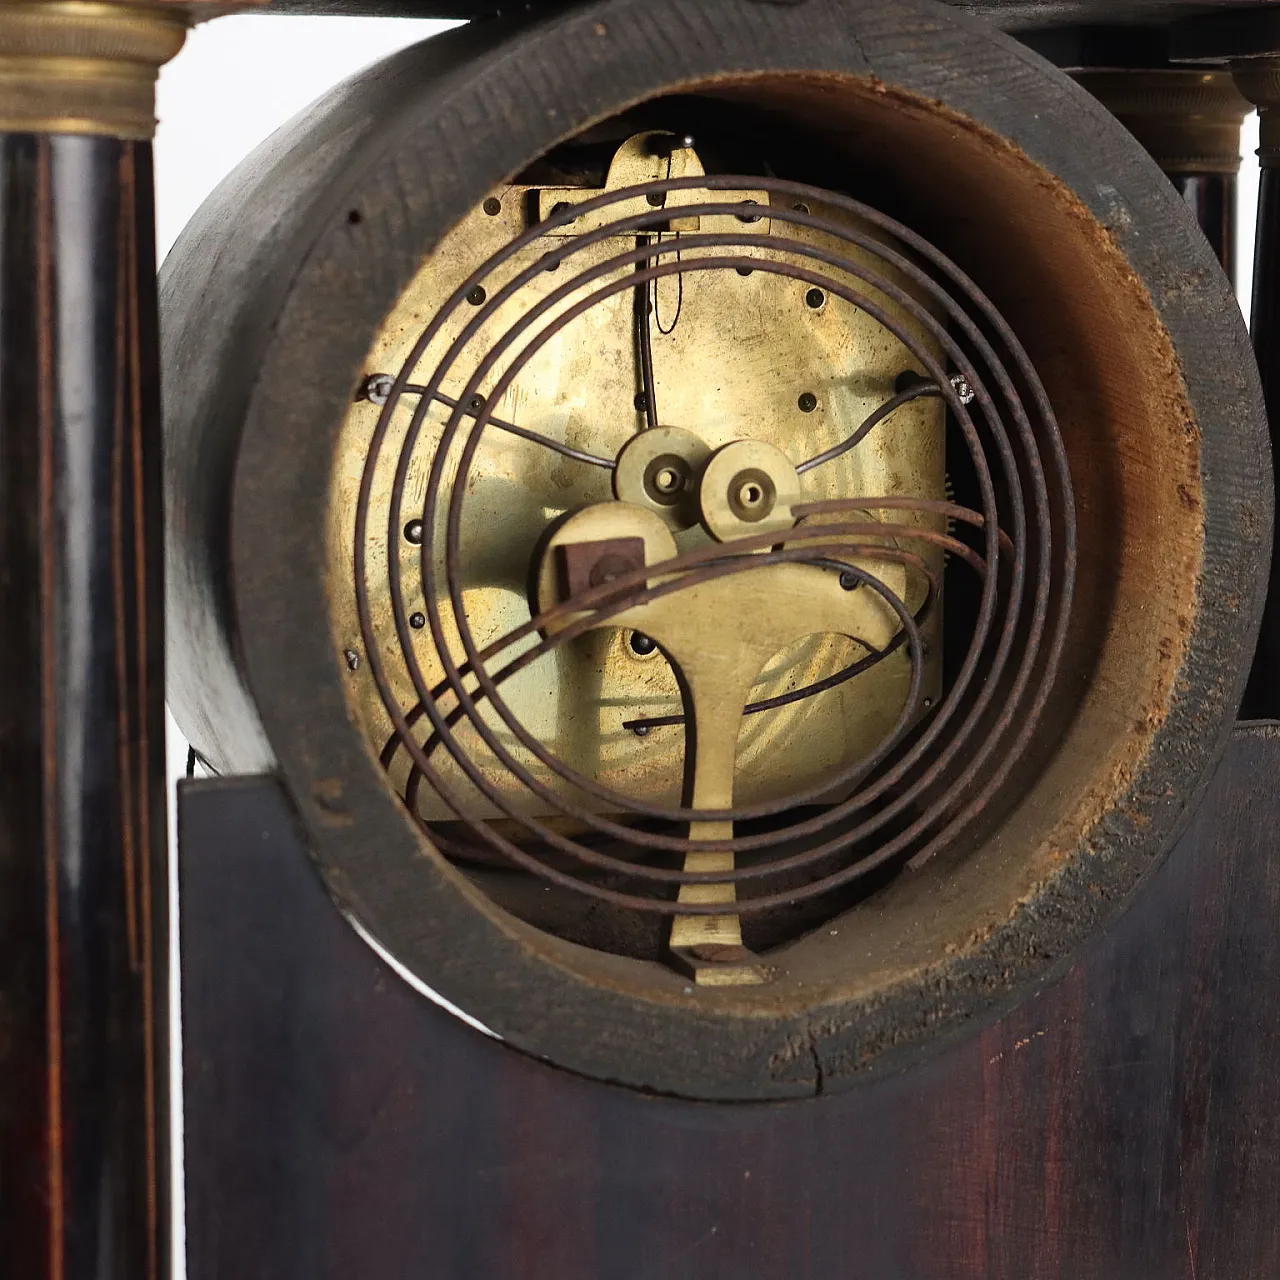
{"x": 936, "y": 777}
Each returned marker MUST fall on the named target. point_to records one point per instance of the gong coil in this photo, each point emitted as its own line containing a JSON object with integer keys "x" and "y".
{"x": 911, "y": 796}
{"x": 742, "y": 551}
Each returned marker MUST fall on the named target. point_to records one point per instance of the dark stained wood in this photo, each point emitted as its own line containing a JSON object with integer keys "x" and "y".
{"x": 1123, "y": 1124}
{"x": 83, "y": 883}
{"x": 1211, "y": 197}
{"x": 1262, "y": 697}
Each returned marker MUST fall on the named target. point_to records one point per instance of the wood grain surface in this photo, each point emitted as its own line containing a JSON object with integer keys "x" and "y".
{"x": 1124, "y": 1124}
{"x": 83, "y": 858}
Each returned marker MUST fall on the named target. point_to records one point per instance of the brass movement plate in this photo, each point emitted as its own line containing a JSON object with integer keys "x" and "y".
{"x": 740, "y": 355}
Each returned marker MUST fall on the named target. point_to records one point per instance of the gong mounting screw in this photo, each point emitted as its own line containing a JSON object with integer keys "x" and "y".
{"x": 376, "y": 388}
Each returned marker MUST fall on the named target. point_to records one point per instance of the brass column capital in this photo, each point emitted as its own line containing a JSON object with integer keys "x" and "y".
{"x": 76, "y": 66}
{"x": 1188, "y": 120}
{"x": 1259, "y": 80}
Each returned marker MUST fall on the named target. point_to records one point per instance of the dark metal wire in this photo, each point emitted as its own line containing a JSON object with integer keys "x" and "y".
{"x": 644, "y": 342}
{"x": 873, "y": 420}
{"x": 194, "y": 758}
{"x": 534, "y": 437}
{"x": 461, "y": 692}
{"x": 452, "y": 579}
{"x": 929, "y": 777}
{"x": 618, "y": 596}
{"x": 469, "y": 704}
{"x": 863, "y": 665}
{"x": 668, "y": 330}
{"x": 890, "y": 554}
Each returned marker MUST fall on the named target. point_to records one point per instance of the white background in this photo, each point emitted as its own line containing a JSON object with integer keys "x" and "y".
{"x": 240, "y": 78}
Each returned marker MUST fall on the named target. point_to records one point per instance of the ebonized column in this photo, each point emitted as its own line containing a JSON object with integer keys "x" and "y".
{"x": 83, "y": 857}
{"x": 1259, "y": 80}
{"x": 1189, "y": 121}
{"x": 1211, "y": 197}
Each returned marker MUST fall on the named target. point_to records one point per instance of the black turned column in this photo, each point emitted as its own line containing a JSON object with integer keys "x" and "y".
{"x": 1260, "y": 81}
{"x": 83, "y": 856}
{"x": 1189, "y": 121}
{"x": 1211, "y": 197}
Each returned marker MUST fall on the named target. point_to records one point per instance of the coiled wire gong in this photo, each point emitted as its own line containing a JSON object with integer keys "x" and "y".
{"x": 770, "y": 565}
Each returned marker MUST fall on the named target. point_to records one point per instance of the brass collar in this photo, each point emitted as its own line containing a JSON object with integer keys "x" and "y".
{"x": 71, "y": 66}
{"x": 1259, "y": 80}
{"x": 1187, "y": 120}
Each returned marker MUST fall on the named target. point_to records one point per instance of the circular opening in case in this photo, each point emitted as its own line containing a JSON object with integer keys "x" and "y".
{"x": 1029, "y": 375}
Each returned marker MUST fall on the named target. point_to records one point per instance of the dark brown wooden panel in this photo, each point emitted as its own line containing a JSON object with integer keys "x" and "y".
{"x": 1123, "y": 1125}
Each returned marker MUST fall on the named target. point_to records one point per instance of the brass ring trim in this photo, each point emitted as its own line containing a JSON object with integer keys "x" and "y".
{"x": 73, "y": 66}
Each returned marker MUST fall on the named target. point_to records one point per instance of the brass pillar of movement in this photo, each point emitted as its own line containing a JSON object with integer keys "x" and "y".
{"x": 1189, "y": 121}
